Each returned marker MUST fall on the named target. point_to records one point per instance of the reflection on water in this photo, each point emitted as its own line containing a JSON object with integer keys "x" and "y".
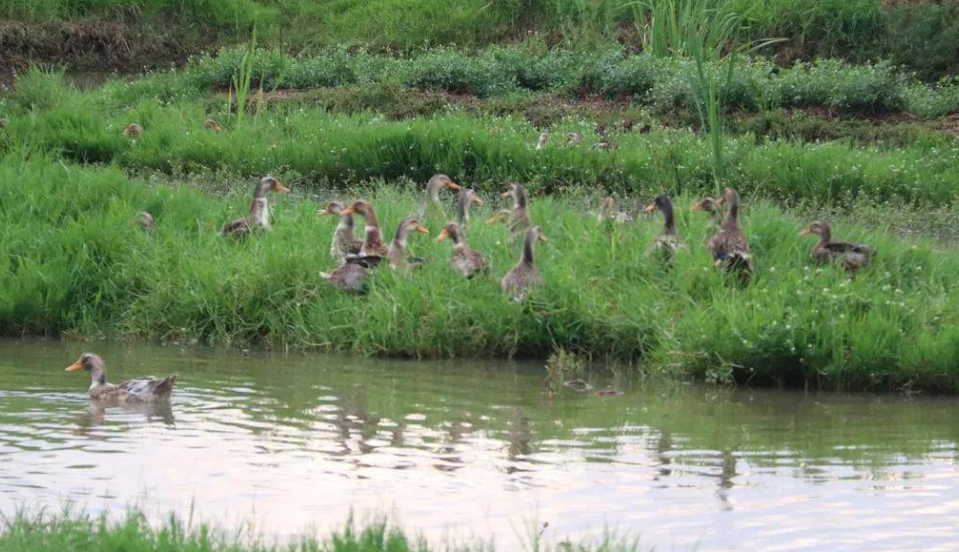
{"x": 294, "y": 442}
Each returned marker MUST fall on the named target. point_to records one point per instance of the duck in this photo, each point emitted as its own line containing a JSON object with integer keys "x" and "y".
{"x": 4, "y": 122}
{"x": 210, "y": 124}
{"x": 373, "y": 244}
{"x": 464, "y": 260}
{"x": 466, "y": 199}
{"x": 519, "y": 220}
{"x": 543, "y": 140}
{"x": 729, "y": 246}
{"x": 713, "y": 208}
{"x": 573, "y": 138}
{"x": 668, "y": 241}
{"x": 396, "y": 255}
{"x": 437, "y": 183}
{"x": 854, "y": 256}
{"x": 344, "y": 244}
{"x": 259, "y": 216}
{"x": 609, "y": 211}
{"x": 135, "y": 390}
{"x": 349, "y": 276}
{"x": 525, "y": 274}
{"x": 133, "y": 130}
{"x": 145, "y": 220}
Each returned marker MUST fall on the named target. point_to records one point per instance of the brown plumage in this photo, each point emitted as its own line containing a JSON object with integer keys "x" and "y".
{"x": 135, "y": 390}
{"x": 729, "y": 246}
{"x": 668, "y": 241}
{"x": 210, "y": 124}
{"x": 397, "y": 251}
{"x": 344, "y": 244}
{"x": 467, "y": 198}
{"x": 259, "y": 216}
{"x": 715, "y": 210}
{"x": 373, "y": 244}
{"x": 853, "y": 255}
{"x": 133, "y": 130}
{"x": 145, "y": 220}
{"x": 348, "y": 277}
{"x": 519, "y": 220}
{"x": 464, "y": 260}
{"x": 525, "y": 274}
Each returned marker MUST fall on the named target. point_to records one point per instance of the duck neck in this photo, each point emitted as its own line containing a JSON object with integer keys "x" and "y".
{"x": 458, "y": 240}
{"x": 433, "y": 189}
{"x": 345, "y": 227}
{"x": 463, "y": 209}
{"x": 399, "y": 240}
{"x": 669, "y": 219}
{"x": 732, "y": 215}
{"x": 825, "y": 235}
{"x": 527, "y": 257}
{"x": 98, "y": 377}
{"x": 519, "y": 197}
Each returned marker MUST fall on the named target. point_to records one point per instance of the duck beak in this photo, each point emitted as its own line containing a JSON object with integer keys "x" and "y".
{"x": 78, "y": 365}
{"x": 477, "y": 201}
{"x": 453, "y": 185}
{"x": 443, "y": 235}
{"x": 805, "y": 232}
{"x": 422, "y": 229}
{"x": 280, "y": 188}
{"x": 348, "y": 211}
{"x": 322, "y": 212}
{"x": 721, "y": 200}
{"x": 506, "y": 194}
{"x": 542, "y": 238}
{"x": 652, "y": 207}
{"x": 697, "y": 207}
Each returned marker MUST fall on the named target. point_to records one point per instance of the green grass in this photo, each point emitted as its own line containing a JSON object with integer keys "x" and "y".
{"x": 74, "y": 264}
{"x": 74, "y": 531}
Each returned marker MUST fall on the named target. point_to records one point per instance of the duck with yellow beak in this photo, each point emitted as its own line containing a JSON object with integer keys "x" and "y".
{"x": 135, "y": 390}
{"x": 259, "y": 216}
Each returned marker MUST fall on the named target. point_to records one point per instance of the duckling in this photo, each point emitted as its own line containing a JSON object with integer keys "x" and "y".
{"x": 519, "y": 220}
{"x": 344, "y": 243}
{"x": 729, "y": 246}
{"x": 667, "y": 242}
{"x": 609, "y": 211}
{"x": 210, "y": 124}
{"x": 259, "y": 216}
{"x": 373, "y": 244}
{"x": 543, "y": 139}
{"x": 853, "y": 255}
{"x": 397, "y": 252}
{"x": 524, "y": 275}
{"x": 135, "y": 390}
{"x": 145, "y": 221}
{"x": 466, "y": 199}
{"x": 463, "y": 259}
{"x": 133, "y": 130}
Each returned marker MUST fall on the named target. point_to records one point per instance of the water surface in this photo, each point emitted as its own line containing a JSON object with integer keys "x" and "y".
{"x": 293, "y": 442}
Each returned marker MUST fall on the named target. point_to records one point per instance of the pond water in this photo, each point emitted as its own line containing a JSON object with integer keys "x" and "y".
{"x": 293, "y": 442}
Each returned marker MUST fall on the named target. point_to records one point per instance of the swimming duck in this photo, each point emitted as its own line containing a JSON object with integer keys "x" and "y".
{"x": 668, "y": 241}
{"x": 210, "y": 124}
{"x": 729, "y": 246}
{"x": 543, "y": 139}
{"x": 145, "y": 221}
{"x": 466, "y": 199}
{"x": 609, "y": 211}
{"x": 135, "y": 390}
{"x": 397, "y": 251}
{"x": 853, "y": 255}
{"x": 373, "y": 245}
{"x": 133, "y": 130}
{"x": 344, "y": 243}
{"x": 259, "y": 216}
{"x": 524, "y": 275}
{"x": 519, "y": 220}
{"x": 463, "y": 259}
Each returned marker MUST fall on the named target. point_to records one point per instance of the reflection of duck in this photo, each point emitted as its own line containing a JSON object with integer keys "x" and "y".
{"x": 144, "y": 390}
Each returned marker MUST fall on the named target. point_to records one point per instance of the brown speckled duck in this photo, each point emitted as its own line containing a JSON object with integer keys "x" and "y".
{"x": 397, "y": 252}
{"x": 524, "y": 275}
{"x": 145, "y": 220}
{"x": 466, "y": 199}
{"x": 210, "y": 124}
{"x": 135, "y": 390}
{"x": 853, "y": 255}
{"x": 668, "y": 241}
{"x": 259, "y": 216}
{"x": 729, "y": 246}
{"x": 373, "y": 244}
{"x": 519, "y": 220}
{"x": 344, "y": 244}
{"x": 133, "y": 130}
{"x": 464, "y": 260}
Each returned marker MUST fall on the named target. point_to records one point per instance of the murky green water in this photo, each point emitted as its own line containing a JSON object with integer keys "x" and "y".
{"x": 293, "y": 442}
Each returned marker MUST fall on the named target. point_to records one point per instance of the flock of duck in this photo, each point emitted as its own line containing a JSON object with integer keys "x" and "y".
{"x": 357, "y": 258}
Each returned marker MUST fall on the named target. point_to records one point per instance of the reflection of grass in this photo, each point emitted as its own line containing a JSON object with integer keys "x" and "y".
{"x": 76, "y": 264}
{"x": 78, "y": 532}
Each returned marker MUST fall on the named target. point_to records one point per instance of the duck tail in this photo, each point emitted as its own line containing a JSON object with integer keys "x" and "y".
{"x": 165, "y": 385}
{"x": 326, "y": 275}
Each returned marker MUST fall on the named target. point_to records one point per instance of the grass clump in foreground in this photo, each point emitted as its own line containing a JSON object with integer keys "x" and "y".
{"x": 79, "y": 532}
{"x": 75, "y": 264}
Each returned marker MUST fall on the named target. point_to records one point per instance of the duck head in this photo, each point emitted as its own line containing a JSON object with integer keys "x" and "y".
{"x": 467, "y": 199}
{"x": 92, "y": 363}
{"x": 451, "y": 231}
{"x": 819, "y": 227}
{"x": 270, "y": 184}
{"x": 440, "y": 182}
{"x": 517, "y": 192}
{"x": 332, "y": 208}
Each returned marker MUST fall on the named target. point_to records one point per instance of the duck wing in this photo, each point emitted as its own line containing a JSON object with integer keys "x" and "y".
{"x": 366, "y": 261}
{"x": 348, "y": 277}
{"x": 236, "y": 228}
{"x": 839, "y": 248}
{"x": 149, "y": 388}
